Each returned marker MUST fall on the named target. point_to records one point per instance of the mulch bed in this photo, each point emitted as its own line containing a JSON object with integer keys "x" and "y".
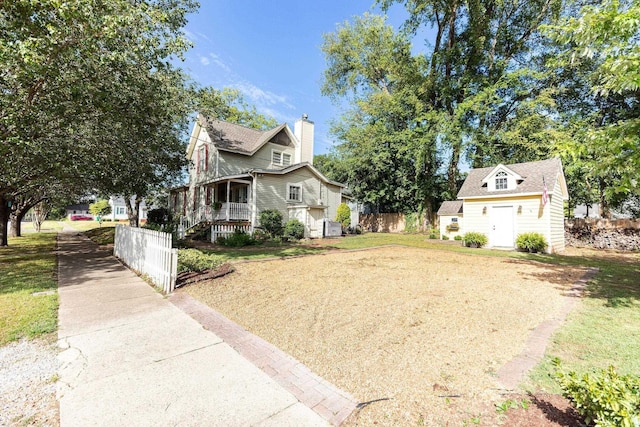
{"x": 190, "y": 277}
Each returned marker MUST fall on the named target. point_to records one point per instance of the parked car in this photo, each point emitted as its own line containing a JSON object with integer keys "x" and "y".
{"x": 81, "y": 217}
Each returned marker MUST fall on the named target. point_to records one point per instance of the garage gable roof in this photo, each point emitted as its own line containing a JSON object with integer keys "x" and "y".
{"x": 532, "y": 177}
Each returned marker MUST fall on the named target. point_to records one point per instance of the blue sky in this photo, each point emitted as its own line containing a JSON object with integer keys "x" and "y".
{"x": 270, "y": 51}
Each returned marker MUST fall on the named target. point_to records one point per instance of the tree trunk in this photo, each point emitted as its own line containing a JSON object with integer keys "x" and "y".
{"x": 4, "y": 220}
{"x": 452, "y": 170}
{"x": 16, "y": 225}
{"x": 133, "y": 210}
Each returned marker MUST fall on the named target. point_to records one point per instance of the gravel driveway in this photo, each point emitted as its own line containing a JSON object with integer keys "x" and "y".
{"x": 420, "y": 334}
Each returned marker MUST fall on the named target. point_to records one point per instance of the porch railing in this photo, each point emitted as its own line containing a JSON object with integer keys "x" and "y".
{"x": 227, "y": 212}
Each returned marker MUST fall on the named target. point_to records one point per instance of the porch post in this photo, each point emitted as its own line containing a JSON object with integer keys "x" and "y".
{"x": 228, "y": 194}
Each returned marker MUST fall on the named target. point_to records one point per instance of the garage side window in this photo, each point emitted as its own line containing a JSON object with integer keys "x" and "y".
{"x": 294, "y": 193}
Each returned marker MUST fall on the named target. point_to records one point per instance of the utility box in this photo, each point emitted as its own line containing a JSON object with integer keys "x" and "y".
{"x": 332, "y": 229}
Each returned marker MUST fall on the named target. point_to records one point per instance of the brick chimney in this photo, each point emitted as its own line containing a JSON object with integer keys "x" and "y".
{"x": 303, "y": 130}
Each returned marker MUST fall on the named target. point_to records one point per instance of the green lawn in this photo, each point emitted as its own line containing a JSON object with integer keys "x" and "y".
{"x": 27, "y": 268}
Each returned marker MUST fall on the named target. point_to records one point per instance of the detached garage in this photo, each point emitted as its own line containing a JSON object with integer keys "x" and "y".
{"x": 507, "y": 200}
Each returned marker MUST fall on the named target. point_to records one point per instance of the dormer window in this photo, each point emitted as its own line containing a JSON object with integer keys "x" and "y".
{"x": 501, "y": 181}
{"x": 279, "y": 158}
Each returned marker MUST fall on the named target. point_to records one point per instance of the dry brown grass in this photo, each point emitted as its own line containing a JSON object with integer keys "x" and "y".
{"x": 420, "y": 332}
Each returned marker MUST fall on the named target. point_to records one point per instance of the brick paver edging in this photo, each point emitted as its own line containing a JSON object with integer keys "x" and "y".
{"x": 331, "y": 403}
{"x": 511, "y": 374}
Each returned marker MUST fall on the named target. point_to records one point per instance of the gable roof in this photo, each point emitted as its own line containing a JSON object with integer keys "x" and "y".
{"x": 451, "y": 207}
{"x": 238, "y": 139}
{"x": 533, "y": 175}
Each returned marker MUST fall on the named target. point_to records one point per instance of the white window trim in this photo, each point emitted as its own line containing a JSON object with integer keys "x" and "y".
{"x": 299, "y": 186}
{"x": 273, "y": 160}
{"x": 281, "y": 154}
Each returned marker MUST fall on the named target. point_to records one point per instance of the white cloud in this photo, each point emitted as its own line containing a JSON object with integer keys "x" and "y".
{"x": 204, "y": 60}
{"x": 219, "y": 62}
{"x": 262, "y": 97}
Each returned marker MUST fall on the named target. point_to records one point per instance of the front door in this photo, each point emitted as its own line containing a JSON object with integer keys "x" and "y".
{"x": 502, "y": 226}
{"x": 316, "y": 222}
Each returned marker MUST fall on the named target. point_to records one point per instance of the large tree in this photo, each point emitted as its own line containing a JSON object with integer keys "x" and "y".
{"x": 372, "y": 66}
{"x": 600, "y": 55}
{"x": 89, "y": 90}
{"x": 472, "y": 92}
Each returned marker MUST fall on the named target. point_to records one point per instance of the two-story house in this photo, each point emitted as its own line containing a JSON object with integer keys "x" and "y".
{"x": 237, "y": 172}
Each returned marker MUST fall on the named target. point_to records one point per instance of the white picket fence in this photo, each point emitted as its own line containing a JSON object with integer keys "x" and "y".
{"x": 148, "y": 252}
{"x": 223, "y": 230}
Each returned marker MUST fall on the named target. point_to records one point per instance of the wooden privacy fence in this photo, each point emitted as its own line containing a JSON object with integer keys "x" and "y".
{"x": 224, "y": 230}
{"x": 148, "y": 252}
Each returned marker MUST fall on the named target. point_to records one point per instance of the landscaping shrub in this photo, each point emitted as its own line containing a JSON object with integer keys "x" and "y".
{"x": 605, "y": 398}
{"x": 433, "y": 236}
{"x": 260, "y": 235}
{"x": 196, "y": 260}
{"x": 445, "y": 237}
{"x": 294, "y": 230}
{"x": 238, "y": 239}
{"x": 158, "y": 216}
{"x": 343, "y": 216}
{"x": 271, "y": 222}
{"x": 457, "y": 237}
{"x": 532, "y": 242}
{"x": 475, "y": 239}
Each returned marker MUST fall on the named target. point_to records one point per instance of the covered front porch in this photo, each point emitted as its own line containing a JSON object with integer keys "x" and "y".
{"x": 227, "y": 200}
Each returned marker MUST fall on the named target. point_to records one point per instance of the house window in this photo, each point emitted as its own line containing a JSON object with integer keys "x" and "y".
{"x": 501, "y": 181}
{"x": 202, "y": 158}
{"x": 294, "y": 193}
{"x": 280, "y": 159}
{"x": 121, "y": 210}
{"x": 276, "y": 157}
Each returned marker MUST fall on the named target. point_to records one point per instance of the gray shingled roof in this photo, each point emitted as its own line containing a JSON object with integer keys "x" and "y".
{"x": 237, "y": 138}
{"x": 452, "y": 207}
{"x": 532, "y": 174}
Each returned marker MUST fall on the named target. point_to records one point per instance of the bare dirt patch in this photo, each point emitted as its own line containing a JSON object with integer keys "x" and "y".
{"x": 420, "y": 334}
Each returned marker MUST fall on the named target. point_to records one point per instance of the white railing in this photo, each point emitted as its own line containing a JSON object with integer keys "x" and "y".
{"x": 148, "y": 252}
{"x": 232, "y": 212}
{"x": 223, "y": 230}
{"x": 227, "y": 212}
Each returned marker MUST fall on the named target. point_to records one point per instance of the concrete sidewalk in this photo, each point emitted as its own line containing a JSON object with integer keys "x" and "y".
{"x": 131, "y": 358}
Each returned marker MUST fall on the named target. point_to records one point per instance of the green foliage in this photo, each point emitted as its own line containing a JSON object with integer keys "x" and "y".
{"x": 411, "y": 222}
{"x": 271, "y": 222}
{"x": 605, "y": 398}
{"x": 533, "y": 242}
{"x": 294, "y": 230}
{"x": 343, "y": 215}
{"x": 196, "y": 260}
{"x": 457, "y": 237}
{"x": 445, "y": 237}
{"x": 100, "y": 208}
{"x": 433, "y": 235}
{"x": 475, "y": 239}
{"x": 238, "y": 239}
{"x": 159, "y": 216}
{"x": 229, "y": 105}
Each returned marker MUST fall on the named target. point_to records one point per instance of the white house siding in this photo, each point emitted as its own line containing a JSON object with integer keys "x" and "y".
{"x": 556, "y": 211}
{"x": 445, "y": 220}
{"x": 532, "y": 218}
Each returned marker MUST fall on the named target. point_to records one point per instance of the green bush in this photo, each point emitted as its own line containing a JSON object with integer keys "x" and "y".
{"x": 445, "y": 237}
{"x": 343, "y": 215}
{"x": 196, "y": 260}
{"x": 532, "y": 242}
{"x": 433, "y": 236}
{"x": 238, "y": 239}
{"x": 475, "y": 239}
{"x": 605, "y": 398}
{"x": 271, "y": 222}
{"x": 457, "y": 237}
{"x": 159, "y": 216}
{"x": 294, "y": 230}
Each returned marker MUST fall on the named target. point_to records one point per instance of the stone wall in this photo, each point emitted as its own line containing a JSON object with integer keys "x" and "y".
{"x": 623, "y": 234}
